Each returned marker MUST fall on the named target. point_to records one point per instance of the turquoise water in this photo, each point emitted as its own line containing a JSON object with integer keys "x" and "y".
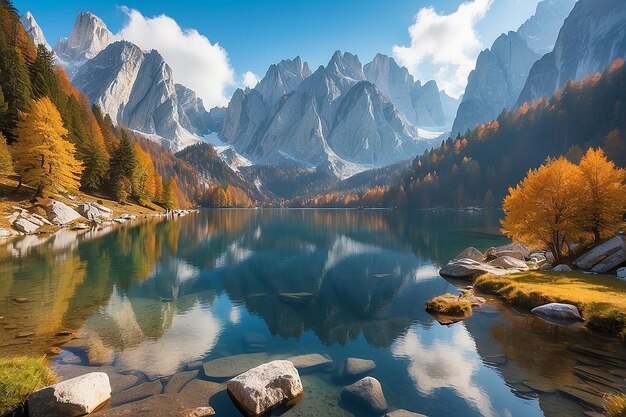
{"x": 154, "y": 298}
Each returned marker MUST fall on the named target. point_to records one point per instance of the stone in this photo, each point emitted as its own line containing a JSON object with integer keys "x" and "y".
{"x": 546, "y": 267}
{"x": 538, "y": 258}
{"x": 5, "y": 233}
{"x": 118, "y": 382}
{"x": 621, "y": 273}
{"x": 61, "y": 214}
{"x": 367, "y": 392}
{"x": 25, "y": 226}
{"x": 511, "y": 247}
{"x": 138, "y": 392}
{"x": 310, "y": 362}
{"x": 198, "y": 392}
{"x": 580, "y": 392}
{"x": 266, "y": 387}
{"x": 20, "y": 299}
{"x": 508, "y": 262}
{"x": 198, "y": 412}
{"x": 403, "y": 413}
{"x": 74, "y": 397}
{"x": 356, "y": 366}
{"x": 471, "y": 253}
{"x": 562, "y": 268}
{"x": 93, "y": 211}
{"x": 179, "y": 380}
{"x": 160, "y": 405}
{"x": 230, "y": 366}
{"x": 21, "y": 335}
{"x": 467, "y": 268}
{"x": 609, "y": 254}
{"x": 558, "y": 311}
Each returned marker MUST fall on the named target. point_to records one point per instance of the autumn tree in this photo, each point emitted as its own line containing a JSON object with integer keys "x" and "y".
{"x": 143, "y": 176}
{"x": 170, "y": 195}
{"x": 603, "y": 195}
{"x": 122, "y": 165}
{"x": 544, "y": 209}
{"x": 43, "y": 158}
{"x": 6, "y": 162}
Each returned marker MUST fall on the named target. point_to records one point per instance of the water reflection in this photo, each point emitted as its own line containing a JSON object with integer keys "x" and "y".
{"x": 155, "y": 296}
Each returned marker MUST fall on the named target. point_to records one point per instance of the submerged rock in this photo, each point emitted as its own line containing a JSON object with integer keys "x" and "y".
{"x": 265, "y": 387}
{"x": 366, "y": 392}
{"x": 403, "y": 413}
{"x": 231, "y": 366}
{"x": 74, "y": 397}
{"x": 310, "y": 362}
{"x": 138, "y": 392}
{"x": 355, "y": 367}
{"x": 558, "y": 311}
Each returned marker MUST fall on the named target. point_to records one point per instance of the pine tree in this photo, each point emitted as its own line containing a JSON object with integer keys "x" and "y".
{"x": 123, "y": 160}
{"x": 15, "y": 83}
{"x": 43, "y": 158}
{"x": 42, "y": 77}
{"x": 170, "y": 195}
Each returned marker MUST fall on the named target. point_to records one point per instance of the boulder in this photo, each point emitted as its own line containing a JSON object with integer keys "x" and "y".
{"x": 368, "y": 393}
{"x": 558, "y": 311}
{"x": 61, "y": 214}
{"x": 93, "y": 211}
{"x": 467, "y": 268}
{"x": 546, "y": 267}
{"x": 74, "y": 397}
{"x": 355, "y": 367}
{"x": 621, "y": 273}
{"x": 471, "y": 253}
{"x": 507, "y": 262}
{"x": 310, "y": 362}
{"x": 265, "y": 387}
{"x": 25, "y": 226}
{"x": 538, "y": 258}
{"x": 511, "y": 247}
{"x": 403, "y": 413}
{"x": 562, "y": 268}
{"x": 610, "y": 253}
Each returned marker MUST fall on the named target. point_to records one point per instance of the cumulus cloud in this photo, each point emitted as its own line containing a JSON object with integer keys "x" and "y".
{"x": 250, "y": 79}
{"x": 449, "y": 42}
{"x": 196, "y": 62}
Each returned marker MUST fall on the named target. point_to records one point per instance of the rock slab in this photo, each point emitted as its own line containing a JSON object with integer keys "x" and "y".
{"x": 368, "y": 393}
{"x": 74, "y": 397}
{"x": 310, "y": 362}
{"x": 356, "y": 366}
{"x": 265, "y": 387}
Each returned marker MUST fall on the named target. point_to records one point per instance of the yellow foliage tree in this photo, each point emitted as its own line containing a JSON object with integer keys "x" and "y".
{"x": 544, "y": 209}
{"x": 43, "y": 158}
{"x": 6, "y": 161}
{"x": 144, "y": 185}
{"x": 603, "y": 194}
{"x": 170, "y": 195}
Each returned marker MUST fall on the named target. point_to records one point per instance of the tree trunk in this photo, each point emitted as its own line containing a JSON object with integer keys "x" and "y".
{"x": 19, "y": 185}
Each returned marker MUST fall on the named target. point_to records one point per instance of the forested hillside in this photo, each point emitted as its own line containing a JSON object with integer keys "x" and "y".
{"x": 479, "y": 167}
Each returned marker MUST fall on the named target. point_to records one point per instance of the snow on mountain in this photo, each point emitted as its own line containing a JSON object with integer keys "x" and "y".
{"x": 33, "y": 30}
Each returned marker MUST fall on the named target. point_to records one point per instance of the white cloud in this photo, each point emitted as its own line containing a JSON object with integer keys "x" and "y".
{"x": 250, "y": 79}
{"x": 449, "y": 42}
{"x": 195, "y": 61}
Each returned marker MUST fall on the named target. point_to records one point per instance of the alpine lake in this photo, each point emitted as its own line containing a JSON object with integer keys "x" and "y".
{"x": 149, "y": 299}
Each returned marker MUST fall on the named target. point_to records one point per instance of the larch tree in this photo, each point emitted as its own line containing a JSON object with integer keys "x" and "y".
{"x": 170, "y": 195}
{"x": 43, "y": 158}
{"x": 603, "y": 195}
{"x": 143, "y": 183}
{"x": 544, "y": 209}
{"x": 122, "y": 165}
{"x": 6, "y": 161}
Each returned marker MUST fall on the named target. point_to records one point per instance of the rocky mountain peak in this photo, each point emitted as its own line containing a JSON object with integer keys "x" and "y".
{"x": 33, "y": 29}
{"x": 89, "y": 36}
{"x": 282, "y": 78}
{"x": 541, "y": 29}
{"x": 345, "y": 66}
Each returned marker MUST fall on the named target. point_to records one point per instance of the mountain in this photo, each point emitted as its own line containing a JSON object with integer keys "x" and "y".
{"x": 137, "y": 90}
{"x": 592, "y": 36}
{"x": 541, "y": 29}
{"x": 34, "y": 31}
{"x": 501, "y": 71}
{"x": 419, "y": 104}
{"x": 282, "y": 78}
{"x": 449, "y": 105}
{"x": 496, "y": 82}
{"x": 334, "y": 118}
{"x": 89, "y": 36}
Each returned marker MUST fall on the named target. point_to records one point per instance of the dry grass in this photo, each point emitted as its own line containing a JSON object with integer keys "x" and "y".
{"x": 600, "y": 299}
{"x": 449, "y": 305}
{"x": 9, "y": 199}
{"x": 615, "y": 405}
{"x": 20, "y": 377}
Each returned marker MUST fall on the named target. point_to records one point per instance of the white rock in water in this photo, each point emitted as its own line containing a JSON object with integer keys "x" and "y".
{"x": 25, "y": 226}
{"x": 558, "y": 311}
{"x": 367, "y": 392}
{"x": 265, "y": 387}
{"x": 74, "y": 397}
{"x": 61, "y": 214}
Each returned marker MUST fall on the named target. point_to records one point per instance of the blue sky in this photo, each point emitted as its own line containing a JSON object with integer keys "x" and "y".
{"x": 255, "y": 33}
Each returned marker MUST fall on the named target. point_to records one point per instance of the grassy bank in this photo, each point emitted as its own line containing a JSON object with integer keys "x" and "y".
{"x": 600, "y": 299}
{"x": 9, "y": 200}
{"x": 19, "y": 377}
